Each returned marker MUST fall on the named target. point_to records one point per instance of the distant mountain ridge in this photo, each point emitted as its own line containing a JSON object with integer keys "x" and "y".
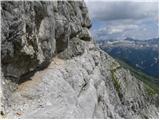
{"x": 142, "y": 54}
{"x": 149, "y": 41}
{"x": 130, "y": 42}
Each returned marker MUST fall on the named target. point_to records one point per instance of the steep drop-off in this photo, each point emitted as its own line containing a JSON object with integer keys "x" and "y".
{"x": 51, "y": 67}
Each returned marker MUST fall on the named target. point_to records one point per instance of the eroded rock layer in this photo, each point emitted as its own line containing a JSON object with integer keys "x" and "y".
{"x": 51, "y": 67}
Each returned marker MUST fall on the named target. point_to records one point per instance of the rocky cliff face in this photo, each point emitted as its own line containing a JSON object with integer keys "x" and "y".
{"x": 51, "y": 67}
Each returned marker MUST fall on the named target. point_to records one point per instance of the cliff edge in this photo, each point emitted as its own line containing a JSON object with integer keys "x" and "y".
{"x": 51, "y": 67}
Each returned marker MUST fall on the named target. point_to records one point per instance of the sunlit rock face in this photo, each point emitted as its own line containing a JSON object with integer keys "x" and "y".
{"x": 51, "y": 67}
{"x": 33, "y": 32}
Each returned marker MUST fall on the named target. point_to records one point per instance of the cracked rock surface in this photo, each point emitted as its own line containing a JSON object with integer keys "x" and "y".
{"x": 51, "y": 67}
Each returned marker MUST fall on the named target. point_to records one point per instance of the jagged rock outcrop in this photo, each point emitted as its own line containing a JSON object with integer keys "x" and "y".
{"x": 78, "y": 80}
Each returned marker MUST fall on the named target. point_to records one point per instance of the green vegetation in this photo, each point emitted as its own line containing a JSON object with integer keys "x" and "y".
{"x": 151, "y": 83}
{"x": 150, "y": 91}
{"x": 116, "y": 82}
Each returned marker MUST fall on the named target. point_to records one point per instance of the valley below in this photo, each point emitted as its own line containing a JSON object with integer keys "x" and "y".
{"x": 140, "y": 54}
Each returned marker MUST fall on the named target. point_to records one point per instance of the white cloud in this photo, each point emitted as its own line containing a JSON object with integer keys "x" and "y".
{"x": 124, "y": 18}
{"x": 121, "y": 28}
{"x": 122, "y": 10}
{"x": 115, "y": 30}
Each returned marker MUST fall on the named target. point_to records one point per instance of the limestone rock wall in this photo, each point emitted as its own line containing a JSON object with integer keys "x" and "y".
{"x": 33, "y": 32}
{"x": 51, "y": 67}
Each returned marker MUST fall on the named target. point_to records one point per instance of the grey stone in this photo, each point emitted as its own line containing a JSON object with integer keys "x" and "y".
{"x": 85, "y": 35}
{"x": 51, "y": 67}
{"x": 75, "y": 47}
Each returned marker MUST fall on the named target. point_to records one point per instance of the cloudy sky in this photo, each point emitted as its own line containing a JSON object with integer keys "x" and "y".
{"x": 118, "y": 19}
